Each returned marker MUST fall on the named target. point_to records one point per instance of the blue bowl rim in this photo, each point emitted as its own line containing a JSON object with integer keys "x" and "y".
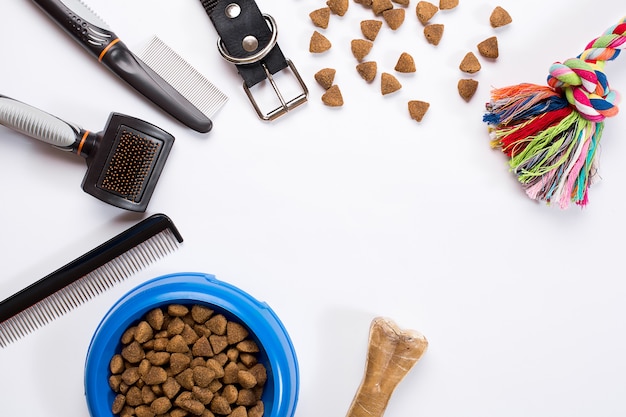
{"x": 189, "y": 287}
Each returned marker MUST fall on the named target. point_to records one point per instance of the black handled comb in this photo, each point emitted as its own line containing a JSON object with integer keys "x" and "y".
{"x": 124, "y": 161}
{"x": 87, "y": 276}
{"x": 91, "y": 32}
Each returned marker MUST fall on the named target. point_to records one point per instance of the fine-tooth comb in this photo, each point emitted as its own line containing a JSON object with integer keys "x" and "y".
{"x": 93, "y": 34}
{"x": 86, "y": 277}
{"x": 181, "y": 75}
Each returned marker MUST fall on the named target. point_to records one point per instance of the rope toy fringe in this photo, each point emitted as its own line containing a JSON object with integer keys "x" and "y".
{"x": 551, "y": 133}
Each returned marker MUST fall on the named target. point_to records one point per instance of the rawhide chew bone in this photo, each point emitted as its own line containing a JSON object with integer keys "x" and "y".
{"x": 391, "y": 354}
{"x": 551, "y": 133}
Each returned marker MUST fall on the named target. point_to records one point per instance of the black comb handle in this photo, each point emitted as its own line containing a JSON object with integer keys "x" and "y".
{"x": 88, "y": 263}
{"x": 82, "y": 24}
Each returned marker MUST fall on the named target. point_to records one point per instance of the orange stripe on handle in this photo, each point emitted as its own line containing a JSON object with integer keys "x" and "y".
{"x": 105, "y": 50}
{"x": 82, "y": 142}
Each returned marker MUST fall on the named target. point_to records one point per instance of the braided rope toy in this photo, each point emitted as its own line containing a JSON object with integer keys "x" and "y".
{"x": 551, "y": 133}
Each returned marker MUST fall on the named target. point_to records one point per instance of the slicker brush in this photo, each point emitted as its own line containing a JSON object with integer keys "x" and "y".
{"x": 124, "y": 161}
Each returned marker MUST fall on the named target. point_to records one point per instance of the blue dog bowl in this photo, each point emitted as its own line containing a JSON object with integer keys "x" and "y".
{"x": 280, "y": 394}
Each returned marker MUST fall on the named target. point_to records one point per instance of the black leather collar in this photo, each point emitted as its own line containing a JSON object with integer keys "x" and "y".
{"x": 248, "y": 39}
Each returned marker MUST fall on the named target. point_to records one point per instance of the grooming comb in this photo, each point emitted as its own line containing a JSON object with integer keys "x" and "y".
{"x": 91, "y": 32}
{"x": 183, "y": 76}
{"x": 124, "y": 161}
{"x": 86, "y": 277}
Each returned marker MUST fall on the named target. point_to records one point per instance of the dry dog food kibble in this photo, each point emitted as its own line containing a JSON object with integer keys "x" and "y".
{"x": 489, "y": 48}
{"x": 333, "y": 97}
{"x": 360, "y": 48}
{"x": 417, "y": 109}
{"x": 425, "y": 11}
{"x": 319, "y": 43}
{"x": 187, "y": 361}
{"x": 433, "y": 33}
{"x": 370, "y": 29}
{"x": 467, "y": 88}
{"x": 325, "y": 77}
{"x": 394, "y": 18}
{"x": 499, "y": 17}
{"x": 379, "y": 6}
{"x": 367, "y": 70}
{"x": 393, "y": 12}
{"x": 470, "y": 63}
{"x": 448, "y": 4}
{"x": 389, "y": 84}
{"x": 405, "y": 63}
{"x": 320, "y": 17}
{"x": 338, "y": 7}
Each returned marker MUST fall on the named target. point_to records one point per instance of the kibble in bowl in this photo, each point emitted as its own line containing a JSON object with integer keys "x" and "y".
{"x": 128, "y": 348}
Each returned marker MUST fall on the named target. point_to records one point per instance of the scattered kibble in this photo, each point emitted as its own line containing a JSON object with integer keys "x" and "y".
{"x": 405, "y": 63}
{"x": 425, "y": 11}
{"x": 333, "y": 97}
{"x": 338, "y": 7}
{"x": 319, "y": 43}
{"x": 370, "y": 28}
{"x": 417, "y": 109}
{"x": 389, "y": 84}
{"x": 499, "y": 17}
{"x": 434, "y": 33}
{"x": 470, "y": 63}
{"x": 489, "y": 47}
{"x": 325, "y": 77}
{"x": 177, "y": 378}
{"x": 361, "y": 47}
{"x": 467, "y": 87}
{"x": 379, "y": 6}
{"x": 367, "y": 70}
{"x": 320, "y": 17}
{"x": 448, "y": 4}
{"x": 394, "y": 18}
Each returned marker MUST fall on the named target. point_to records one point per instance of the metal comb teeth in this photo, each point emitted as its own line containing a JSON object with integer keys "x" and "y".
{"x": 81, "y": 280}
{"x": 181, "y": 75}
{"x": 130, "y": 165}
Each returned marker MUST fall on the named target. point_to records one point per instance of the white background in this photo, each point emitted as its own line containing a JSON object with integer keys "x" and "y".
{"x": 334, "y": 216}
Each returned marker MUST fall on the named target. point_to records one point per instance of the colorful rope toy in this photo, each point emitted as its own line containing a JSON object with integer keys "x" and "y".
{"x": 551, "y": 133}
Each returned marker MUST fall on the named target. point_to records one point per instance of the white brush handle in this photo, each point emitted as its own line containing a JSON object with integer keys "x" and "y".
{"x": 36, "y": 123}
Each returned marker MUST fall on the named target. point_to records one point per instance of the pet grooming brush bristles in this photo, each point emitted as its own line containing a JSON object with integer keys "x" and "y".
{"x": 194, "y": 86}
{"x": 130, "y": 165}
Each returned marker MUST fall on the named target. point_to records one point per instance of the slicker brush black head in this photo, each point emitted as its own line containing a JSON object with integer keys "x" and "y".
{"x": 125, "y": 161}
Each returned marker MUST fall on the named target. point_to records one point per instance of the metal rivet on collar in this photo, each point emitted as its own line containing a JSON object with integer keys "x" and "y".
{"x": 250, "y": 43}
{"x": 233, "y": 10}
{"x": 256, "y": 57}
